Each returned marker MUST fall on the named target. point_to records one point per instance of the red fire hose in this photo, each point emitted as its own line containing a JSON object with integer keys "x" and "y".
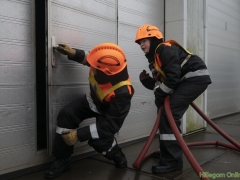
{"x": 142, "y": 156}
{"x": 179, "y": 138}
{"x": 211, "y": 123}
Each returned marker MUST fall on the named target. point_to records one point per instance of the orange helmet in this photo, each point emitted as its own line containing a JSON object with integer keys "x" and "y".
{"x": 108, "y": 58}
{"x": 148, "y": 30}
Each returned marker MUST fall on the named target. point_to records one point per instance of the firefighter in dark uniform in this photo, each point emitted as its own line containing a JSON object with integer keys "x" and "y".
{"x": 175, "y": 72}
{"x": 109, "y": 102}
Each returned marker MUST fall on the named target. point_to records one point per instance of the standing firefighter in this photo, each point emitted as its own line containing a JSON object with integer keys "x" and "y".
{"x": 178, "y": 73}
{"x": 109, "y": 102}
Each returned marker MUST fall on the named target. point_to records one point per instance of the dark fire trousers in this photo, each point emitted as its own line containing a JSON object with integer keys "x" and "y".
{"x": 186, "y": 92}
{"x": 70, "y": 117}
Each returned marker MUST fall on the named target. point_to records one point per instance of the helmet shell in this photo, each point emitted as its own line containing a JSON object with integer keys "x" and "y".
{"x": 108, "y": 58}
{"x": 146, "y": 31}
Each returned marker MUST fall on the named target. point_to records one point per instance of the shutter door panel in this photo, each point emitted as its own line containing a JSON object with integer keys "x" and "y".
{"x": 17, "y": 84}
{"x": 82, "y": 25}
{"x": 131, "y": 15}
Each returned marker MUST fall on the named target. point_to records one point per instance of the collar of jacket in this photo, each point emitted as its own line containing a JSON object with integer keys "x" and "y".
{"x": 102, "y": 78}
{"x": 154, "y": 43}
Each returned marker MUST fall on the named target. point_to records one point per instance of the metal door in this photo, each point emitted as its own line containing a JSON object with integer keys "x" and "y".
{"x": 17, "y": 84}
{"x": 80, "y": 24}
{"x": 131, "y": 15}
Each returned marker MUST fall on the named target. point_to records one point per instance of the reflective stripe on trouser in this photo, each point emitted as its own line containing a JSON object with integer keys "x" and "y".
{"x": 113, "y": 144}
{"x": 186, "y": 93}
{"x": 69, "y": 118}
{"x": 107, "y": 146}
{"x": 167, "y": 137}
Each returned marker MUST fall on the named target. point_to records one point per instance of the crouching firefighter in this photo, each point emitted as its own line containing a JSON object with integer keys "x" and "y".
{"x": 109, "y": 102}
{"x": 175, "y": 72}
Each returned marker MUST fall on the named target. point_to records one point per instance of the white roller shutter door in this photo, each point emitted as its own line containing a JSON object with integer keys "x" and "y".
{"x": 17, "y": 84}
{"x": 131, "y": 15}
{"x": 82, "y": 25}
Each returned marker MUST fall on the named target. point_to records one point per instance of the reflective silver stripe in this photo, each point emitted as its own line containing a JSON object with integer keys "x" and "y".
{"x": 113, "y": 144}
{"x": 93, "y": 130}
{"x": 201, "y": 72}
{"x": 84, "y": 62}
{"x": 91, "y": 104}
{"x": 157, "y": 85}
{"x": 166, "y": 89}
{"x": 167, "y": 137}
{"x": 184, "y": 62}
{"x": 59, "y": 130}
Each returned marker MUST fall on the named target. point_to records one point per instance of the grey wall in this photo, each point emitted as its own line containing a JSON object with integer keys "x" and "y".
{"x": 195, "y": 44}
{"x": 224, "y": 57}
{"x": 184, "y": 23}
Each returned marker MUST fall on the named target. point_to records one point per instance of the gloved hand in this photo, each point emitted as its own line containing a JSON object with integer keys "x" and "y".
{"x": 70, "y": 137}
{"x": 66, "y": 50}
{"x": 160, "y": 96}
{"x": 143, "y": 75}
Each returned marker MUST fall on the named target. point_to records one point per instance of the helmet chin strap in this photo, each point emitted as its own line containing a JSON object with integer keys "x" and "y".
{"x": 94, "y": 70}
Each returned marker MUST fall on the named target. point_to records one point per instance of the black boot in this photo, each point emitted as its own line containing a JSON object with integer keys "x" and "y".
{"x": 168, "y": 165}
{"x": 156, "y": 154}
{"x": 59, "y": 166}
{"x": 120, "y": 159}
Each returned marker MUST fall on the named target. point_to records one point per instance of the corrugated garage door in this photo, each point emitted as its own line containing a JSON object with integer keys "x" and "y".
{"x": 80, "y": 24}
{"x": 84, "y": 24}
{"x": 17, "y": 83}
{"x": 131, "y": 15}
{"x": 223, "y": 57}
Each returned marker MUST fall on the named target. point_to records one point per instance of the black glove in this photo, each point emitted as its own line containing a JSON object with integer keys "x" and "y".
{"x": 160, "y": 96}
{"x": 144, "y": 75}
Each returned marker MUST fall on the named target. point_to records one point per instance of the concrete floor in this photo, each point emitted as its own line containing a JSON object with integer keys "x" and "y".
{"x": 212, "y": 159}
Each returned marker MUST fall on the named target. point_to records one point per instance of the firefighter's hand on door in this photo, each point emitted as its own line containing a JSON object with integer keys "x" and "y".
{"x": 70, "y": 137}
{"x": 66, "y": 50}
